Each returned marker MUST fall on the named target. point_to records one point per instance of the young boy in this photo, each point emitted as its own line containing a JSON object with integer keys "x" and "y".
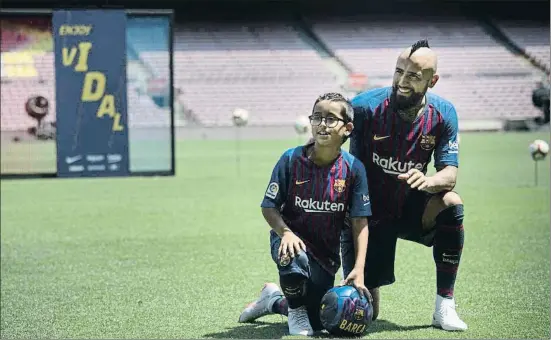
{"x": 312, "y": 189}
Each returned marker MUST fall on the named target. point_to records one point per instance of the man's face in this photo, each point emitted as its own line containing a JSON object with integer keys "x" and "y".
{"x": 332, "y": 128}
{"x": 409, "y": 85}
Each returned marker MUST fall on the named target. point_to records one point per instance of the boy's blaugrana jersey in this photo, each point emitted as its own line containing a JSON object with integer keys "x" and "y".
{"x": 314, "y": 200}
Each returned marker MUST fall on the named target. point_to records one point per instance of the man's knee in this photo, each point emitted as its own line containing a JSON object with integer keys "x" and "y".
{"x": 450, "y": 199}
{"x": 437, "y": 204}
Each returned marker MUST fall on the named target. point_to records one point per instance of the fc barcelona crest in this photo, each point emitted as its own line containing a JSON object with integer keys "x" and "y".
{"x": 427, "y": 142}
{"x": 284, "y": 260}
{"x": 359, "y": 314}
{"x": 340, "y": 185}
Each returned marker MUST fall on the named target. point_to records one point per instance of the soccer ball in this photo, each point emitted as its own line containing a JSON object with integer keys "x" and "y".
{"x": 302, "y": 125}
{"x": 343, "y": 312}
{"x": 539, "y": 149}
{"x": 240, "y": 117}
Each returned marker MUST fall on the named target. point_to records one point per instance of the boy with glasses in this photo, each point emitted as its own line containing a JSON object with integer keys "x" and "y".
{"x": 311, "y": 190}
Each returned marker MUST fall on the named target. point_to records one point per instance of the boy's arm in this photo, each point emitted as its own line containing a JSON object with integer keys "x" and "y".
{"x": 360, "y": 209}
{"x": 274, "y": 219}
{"x": 360, "y": 233}
{"x": 275, "y": 196}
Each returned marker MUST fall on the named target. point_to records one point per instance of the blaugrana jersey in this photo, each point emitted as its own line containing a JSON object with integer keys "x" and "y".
{"x": 388, "y": 145}
{"x": 313, "y": 200}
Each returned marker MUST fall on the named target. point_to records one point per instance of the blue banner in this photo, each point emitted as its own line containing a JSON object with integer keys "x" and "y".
{"x": 91, "y": 107}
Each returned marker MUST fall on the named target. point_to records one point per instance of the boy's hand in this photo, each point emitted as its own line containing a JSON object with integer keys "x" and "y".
{"x": 356, "y": 279}
{"x": 290, "y": 244}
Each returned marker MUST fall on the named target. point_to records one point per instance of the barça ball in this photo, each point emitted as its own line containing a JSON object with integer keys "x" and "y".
{"x": 344, "y": 312}
{"x": 240, "y": 117}
{"x": 539, "y": 149}
{"x": 302, "y": 125}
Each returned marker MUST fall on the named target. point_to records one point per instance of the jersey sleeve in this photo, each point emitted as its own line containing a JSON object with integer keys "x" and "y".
{"x": 447, "y": 150}
{"x": 357, "y": 136}
{"x": 360, "y": 205}
{"x": 276, "y": 192}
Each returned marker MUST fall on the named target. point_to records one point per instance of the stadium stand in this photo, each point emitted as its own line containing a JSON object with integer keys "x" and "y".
{"x": 270, "y": 70}
{"x": 265, "y": 68}
{"x": 532, "y": 36}
{"x": 475, "y": 70}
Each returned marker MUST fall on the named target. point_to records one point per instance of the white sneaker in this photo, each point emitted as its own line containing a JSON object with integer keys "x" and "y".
{"x": 298, "y": 321}
{"x": 263, "y": 306}
{"x": 445, "y": 315}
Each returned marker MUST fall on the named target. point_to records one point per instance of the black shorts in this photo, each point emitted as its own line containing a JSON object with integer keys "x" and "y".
{"x": 383, "y": 235}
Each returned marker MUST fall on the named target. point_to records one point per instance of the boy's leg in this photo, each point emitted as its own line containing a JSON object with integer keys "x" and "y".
{"x": 294, "y": 275}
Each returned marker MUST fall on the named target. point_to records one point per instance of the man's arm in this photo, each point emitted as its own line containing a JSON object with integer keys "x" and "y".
{"x": 357, "y": 137}
{"x": 446, "y": 160}
{"x": 443, "y": 180}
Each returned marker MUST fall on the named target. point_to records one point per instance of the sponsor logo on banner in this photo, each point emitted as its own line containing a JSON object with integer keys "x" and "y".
{"x": 91, "y": 103}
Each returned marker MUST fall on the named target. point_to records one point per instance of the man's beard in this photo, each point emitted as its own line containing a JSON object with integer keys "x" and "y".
{"x": 402, "y": 103}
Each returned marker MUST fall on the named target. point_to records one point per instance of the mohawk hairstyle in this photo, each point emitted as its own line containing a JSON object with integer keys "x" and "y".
{"x": 337, "y": 97}
{"x": 418, "y": 45}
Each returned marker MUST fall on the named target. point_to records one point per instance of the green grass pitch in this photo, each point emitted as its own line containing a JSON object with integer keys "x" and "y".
{"x": 180, "y": 257}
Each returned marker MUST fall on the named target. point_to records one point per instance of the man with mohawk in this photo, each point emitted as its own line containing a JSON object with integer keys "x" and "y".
{"x": 397, "y": 130}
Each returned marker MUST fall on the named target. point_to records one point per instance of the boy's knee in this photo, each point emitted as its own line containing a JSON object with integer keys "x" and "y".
{"x": 294, "y": 274}
{"x": 297, "y": 265}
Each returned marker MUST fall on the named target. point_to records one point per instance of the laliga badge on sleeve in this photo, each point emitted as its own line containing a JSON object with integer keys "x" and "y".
{"x": 272, "y": 190}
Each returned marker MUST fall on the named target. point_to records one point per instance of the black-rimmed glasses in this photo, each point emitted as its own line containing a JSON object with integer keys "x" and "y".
{"x": 330, "y": 121}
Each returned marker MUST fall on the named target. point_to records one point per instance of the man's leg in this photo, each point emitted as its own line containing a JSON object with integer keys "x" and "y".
{"x": 437, "y": 221}
{"x": 379, "y": 264}
{"x": 444, "y": 213}
{"x": 320, "y": 282}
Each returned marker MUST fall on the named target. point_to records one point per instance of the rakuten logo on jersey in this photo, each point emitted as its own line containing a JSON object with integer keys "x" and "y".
{"x": 394, "y": 166}
{"x": 317, "y": 206}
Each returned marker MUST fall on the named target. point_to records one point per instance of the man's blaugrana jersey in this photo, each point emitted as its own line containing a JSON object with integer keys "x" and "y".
{"x": 388, "y": 145}
{"x": 313, "y": 200}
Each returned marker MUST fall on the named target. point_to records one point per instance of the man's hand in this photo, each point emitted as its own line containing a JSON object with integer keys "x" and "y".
{"x": 356, "y": 279}
{"x": 417, "y": 180}
{"x": 290, "y": 244}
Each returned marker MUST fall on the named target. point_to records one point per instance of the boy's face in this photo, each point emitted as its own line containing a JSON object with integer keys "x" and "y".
{"x": 332, "y": 129}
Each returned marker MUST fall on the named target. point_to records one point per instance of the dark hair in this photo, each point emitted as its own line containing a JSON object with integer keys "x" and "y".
{"x": 417, "y": 45}
{"x": 348, "y": 113}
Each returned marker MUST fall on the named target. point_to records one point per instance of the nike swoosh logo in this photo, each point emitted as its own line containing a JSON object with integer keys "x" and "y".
{"x": 379, "y": 137}
{"x": 70, "y": 160}
{"x": 301, "y": 182}
{"x": 448, "y": 255}
{"x": 366, "y": 203}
